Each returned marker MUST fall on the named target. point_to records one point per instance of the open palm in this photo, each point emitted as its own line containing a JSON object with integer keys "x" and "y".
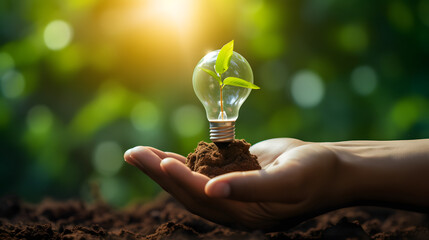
{"x": 296, "y": 181}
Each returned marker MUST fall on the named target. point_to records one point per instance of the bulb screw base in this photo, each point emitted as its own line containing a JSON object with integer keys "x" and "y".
{"x": 222, "y": 131}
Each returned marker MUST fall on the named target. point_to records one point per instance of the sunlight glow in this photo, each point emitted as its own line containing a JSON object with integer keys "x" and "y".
{"x": 173, "y": 14}
{"x": 173, "y": 11}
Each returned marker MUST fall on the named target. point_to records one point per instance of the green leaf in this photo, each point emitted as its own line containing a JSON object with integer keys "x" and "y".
{"x": 238, "y": 82}
{"x": 223, "y": 58}
{"x": 213, "y": 74}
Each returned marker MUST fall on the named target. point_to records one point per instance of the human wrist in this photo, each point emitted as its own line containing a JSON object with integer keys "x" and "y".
{"x": 387, "y": 173}
{"x": 345, "y": 183}
{"x": 364, "y": 173}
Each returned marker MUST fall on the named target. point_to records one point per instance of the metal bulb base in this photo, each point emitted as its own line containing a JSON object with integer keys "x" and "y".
{"x": 222, "y": 131}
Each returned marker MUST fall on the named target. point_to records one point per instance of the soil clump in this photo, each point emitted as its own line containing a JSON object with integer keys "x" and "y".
{"x": 213, "y": 159}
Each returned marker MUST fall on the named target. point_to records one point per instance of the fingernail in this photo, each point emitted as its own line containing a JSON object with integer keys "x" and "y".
{"x": 220, "y": 190}
{"x": 166, "y": 161}
{"x": 128, "y": 156}
{"x": 131, "y": 150}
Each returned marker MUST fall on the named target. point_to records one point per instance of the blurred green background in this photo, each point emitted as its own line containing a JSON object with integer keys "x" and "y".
{"x": 81, "y": 81}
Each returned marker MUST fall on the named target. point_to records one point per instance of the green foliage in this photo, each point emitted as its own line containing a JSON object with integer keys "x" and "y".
{"x": 213, "y": 74}
{"x": 224, "y": 57}
{"x": 238, "y": 82}
{"x": 222, "y": 65}
{"x": 122, "y": 81}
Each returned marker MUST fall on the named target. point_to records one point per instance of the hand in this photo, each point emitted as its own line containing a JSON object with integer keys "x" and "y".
{"x": 298, "y": 180}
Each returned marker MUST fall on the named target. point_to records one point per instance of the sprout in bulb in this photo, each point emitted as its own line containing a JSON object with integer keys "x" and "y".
{"x": 222, "y": 81}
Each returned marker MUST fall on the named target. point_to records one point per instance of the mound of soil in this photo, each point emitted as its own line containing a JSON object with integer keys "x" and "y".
{"x": 213, "y": 159}
{"x": 166, "y": 219}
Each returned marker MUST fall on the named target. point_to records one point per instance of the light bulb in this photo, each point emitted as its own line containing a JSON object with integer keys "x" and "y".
{"x": 221, "y": 104}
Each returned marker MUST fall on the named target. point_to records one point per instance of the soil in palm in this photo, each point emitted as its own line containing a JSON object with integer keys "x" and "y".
{"x": 213, "y": 159}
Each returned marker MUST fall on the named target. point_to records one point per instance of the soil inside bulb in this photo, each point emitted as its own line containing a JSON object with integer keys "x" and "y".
{"x": 213, "y": 159}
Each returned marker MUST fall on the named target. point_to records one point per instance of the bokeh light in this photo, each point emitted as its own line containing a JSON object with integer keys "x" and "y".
{"x": 107, "y": 158}
{"x": 12, "y": 84}
{"x": 114, "y": 190}
{"x": 272, "y": 75}
{"x": 400, "y": 15}
{"x": 145, "y": 116}
{"x": 364, "y": 80}
{"x": 405, "y": 113}
{"x": 188, "y": 120}
{"x": 353, "y": 38}
{"x": 307, "y": 89}
{"x": 6, "y": 62}
{"x": 39, "y": 119}
{"x": 57, "y": 34}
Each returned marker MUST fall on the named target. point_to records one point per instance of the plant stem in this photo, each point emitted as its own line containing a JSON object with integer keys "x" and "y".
{"x": 221, "y": 103}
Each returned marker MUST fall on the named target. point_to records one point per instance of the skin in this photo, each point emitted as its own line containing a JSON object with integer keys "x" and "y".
{"x": 298, "y": 180}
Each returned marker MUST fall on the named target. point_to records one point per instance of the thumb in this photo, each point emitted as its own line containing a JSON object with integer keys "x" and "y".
{"x": 253, "y": 186}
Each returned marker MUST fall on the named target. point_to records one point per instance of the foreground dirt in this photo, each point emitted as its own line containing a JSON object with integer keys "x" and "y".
{"x": 166, "y": 219}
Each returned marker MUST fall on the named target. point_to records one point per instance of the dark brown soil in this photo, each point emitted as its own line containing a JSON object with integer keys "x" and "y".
{"x": 166, "y": 219}
{"x": 215, "y": 159}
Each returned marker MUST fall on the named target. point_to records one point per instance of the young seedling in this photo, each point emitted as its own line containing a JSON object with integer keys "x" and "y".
{"x": 222, "y": 64}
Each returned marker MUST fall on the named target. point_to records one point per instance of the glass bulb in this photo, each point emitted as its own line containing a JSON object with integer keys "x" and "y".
{"x": 210, "y": 94}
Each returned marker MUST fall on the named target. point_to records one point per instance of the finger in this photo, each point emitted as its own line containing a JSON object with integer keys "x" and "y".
{"x": 144, "y": 159}
{"x": 177, "y": 179}
{"x": 176, "y": 156}
{"x": 252, "y": 186}
{"x": 127, "y": 156}
{"x": 149, "y": 163}
{"x": 182, "y": 175}
{"x": 193, "y": 197}
{"x": 163, "y": 155}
